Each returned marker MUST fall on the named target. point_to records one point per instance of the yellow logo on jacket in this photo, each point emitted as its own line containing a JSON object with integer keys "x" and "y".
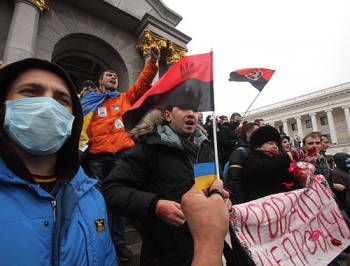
{"x": 100, "y": 225}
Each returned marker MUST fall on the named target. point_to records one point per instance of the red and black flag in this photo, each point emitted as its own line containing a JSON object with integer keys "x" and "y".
{"x": 258, "y": 77}
{"x": 188, "y": 84}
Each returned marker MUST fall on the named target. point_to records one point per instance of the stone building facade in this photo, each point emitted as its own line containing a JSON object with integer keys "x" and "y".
{"x": 326, "y": 111}
{"x": 87, "y": 37}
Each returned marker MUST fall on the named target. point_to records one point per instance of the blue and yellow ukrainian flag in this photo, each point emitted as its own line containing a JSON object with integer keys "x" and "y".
{"x": 89, "y": 103}
{"x": 204, "y": 175}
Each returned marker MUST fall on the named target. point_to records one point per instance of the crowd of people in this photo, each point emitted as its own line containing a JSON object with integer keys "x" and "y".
{"x": 260, "y": 158}
{"x": 66, "y": 162}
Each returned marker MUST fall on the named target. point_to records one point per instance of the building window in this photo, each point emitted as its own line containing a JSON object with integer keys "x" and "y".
{"x": 294, "y": 126}
{"x": 281, "y": 128}
{"x": 308, "y": 124}
{"x": 324, "y": 120}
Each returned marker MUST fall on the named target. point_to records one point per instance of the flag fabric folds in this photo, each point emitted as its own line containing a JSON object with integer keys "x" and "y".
{"x": 188, "y": 84}
{"x": 204, "y": 175}
{"x": 258, "y": 77}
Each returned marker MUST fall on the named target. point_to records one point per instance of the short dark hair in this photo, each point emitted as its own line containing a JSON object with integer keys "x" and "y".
{"x": 324, "y": 135}
{"x": 284, "y": 136}
{"x": 313, "y": 135}
{"x": 88, "y": 83}
{"x": 235, "y": 114}
{"x": 248, "y": 127}
{"x": 108, "y": 70}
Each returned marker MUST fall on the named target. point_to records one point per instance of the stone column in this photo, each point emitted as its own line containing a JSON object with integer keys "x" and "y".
{"x": 285, "y": 126}
{"x": 300, "y": 126}
{"x": 347, "y": 117}
{"x": 314, "y": 121}
{"x": 331, "y": 126}
{"x": 22, "y": 36}
{"x": 145, "y": 43}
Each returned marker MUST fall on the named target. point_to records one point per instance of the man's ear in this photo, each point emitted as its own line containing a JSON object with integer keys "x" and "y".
{"x": 248, "y": 134}
{"x": 167, "y": 115}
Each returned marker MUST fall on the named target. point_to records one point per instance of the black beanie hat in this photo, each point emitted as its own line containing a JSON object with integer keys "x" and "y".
{"x": 264, "y": 134}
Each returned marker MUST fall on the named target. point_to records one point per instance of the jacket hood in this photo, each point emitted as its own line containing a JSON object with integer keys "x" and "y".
{"x": 146, "y": 126}
{"x": 339, "y": 159}
{"x": 154, "y": 122}
{"x": 68, "y": 160}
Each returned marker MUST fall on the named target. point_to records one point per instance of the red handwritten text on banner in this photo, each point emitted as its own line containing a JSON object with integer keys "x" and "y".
{"x": 302, "y": 227}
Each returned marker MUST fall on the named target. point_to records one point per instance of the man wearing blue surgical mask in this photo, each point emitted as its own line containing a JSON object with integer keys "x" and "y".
{"x": 51, "y": 210}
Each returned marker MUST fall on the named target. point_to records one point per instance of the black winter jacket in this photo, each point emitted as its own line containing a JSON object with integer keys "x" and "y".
{"x": 160, "y": 166}
{"x": 341, "y": 175}
{"x": 322, "y": 167}
{"x": 230, "y": 138}
{"x": 264, "y": 175}
{"x": 233, "y": 182}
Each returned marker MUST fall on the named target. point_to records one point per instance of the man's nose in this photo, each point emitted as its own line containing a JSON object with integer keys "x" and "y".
{"x": 191, "y": 112}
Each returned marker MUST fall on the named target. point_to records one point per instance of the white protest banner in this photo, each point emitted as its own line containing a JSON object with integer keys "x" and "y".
{"x": 301, "y": 227}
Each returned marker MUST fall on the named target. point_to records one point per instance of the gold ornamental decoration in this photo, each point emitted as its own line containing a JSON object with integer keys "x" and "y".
{"x": 148, "y": 40}
{"x": 42, "y": 4}
{"x": 174, "y": 53}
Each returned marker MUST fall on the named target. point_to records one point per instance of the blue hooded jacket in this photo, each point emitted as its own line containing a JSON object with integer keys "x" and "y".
{"x": 32, "y": 220}
{"x": 68, "y": 226}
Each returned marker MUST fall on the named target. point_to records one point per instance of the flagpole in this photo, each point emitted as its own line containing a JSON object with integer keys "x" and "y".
{"x": 251, "y": 105}
{"x": 215, "y": 139}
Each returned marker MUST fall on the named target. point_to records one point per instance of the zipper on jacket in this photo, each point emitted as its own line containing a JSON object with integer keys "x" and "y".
{"x": 54, "y": 210}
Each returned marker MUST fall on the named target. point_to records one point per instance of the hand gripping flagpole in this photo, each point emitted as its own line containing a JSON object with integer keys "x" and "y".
{"x": 215, "y": 147}
{"x": 214, "y": 128}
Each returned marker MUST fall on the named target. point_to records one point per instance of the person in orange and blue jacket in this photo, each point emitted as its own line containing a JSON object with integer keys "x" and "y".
{"x": 104, "y": 136}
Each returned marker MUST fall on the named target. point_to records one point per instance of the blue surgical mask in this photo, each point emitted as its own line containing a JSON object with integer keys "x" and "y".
{"x": 38, "y": 125}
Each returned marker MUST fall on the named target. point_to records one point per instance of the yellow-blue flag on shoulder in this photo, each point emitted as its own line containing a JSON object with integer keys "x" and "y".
{"x": 204, "y": 175}
{"x": 90, "y": 103}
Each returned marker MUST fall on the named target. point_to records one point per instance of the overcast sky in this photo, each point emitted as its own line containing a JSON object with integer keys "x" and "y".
{"x": 307, "y": 42}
